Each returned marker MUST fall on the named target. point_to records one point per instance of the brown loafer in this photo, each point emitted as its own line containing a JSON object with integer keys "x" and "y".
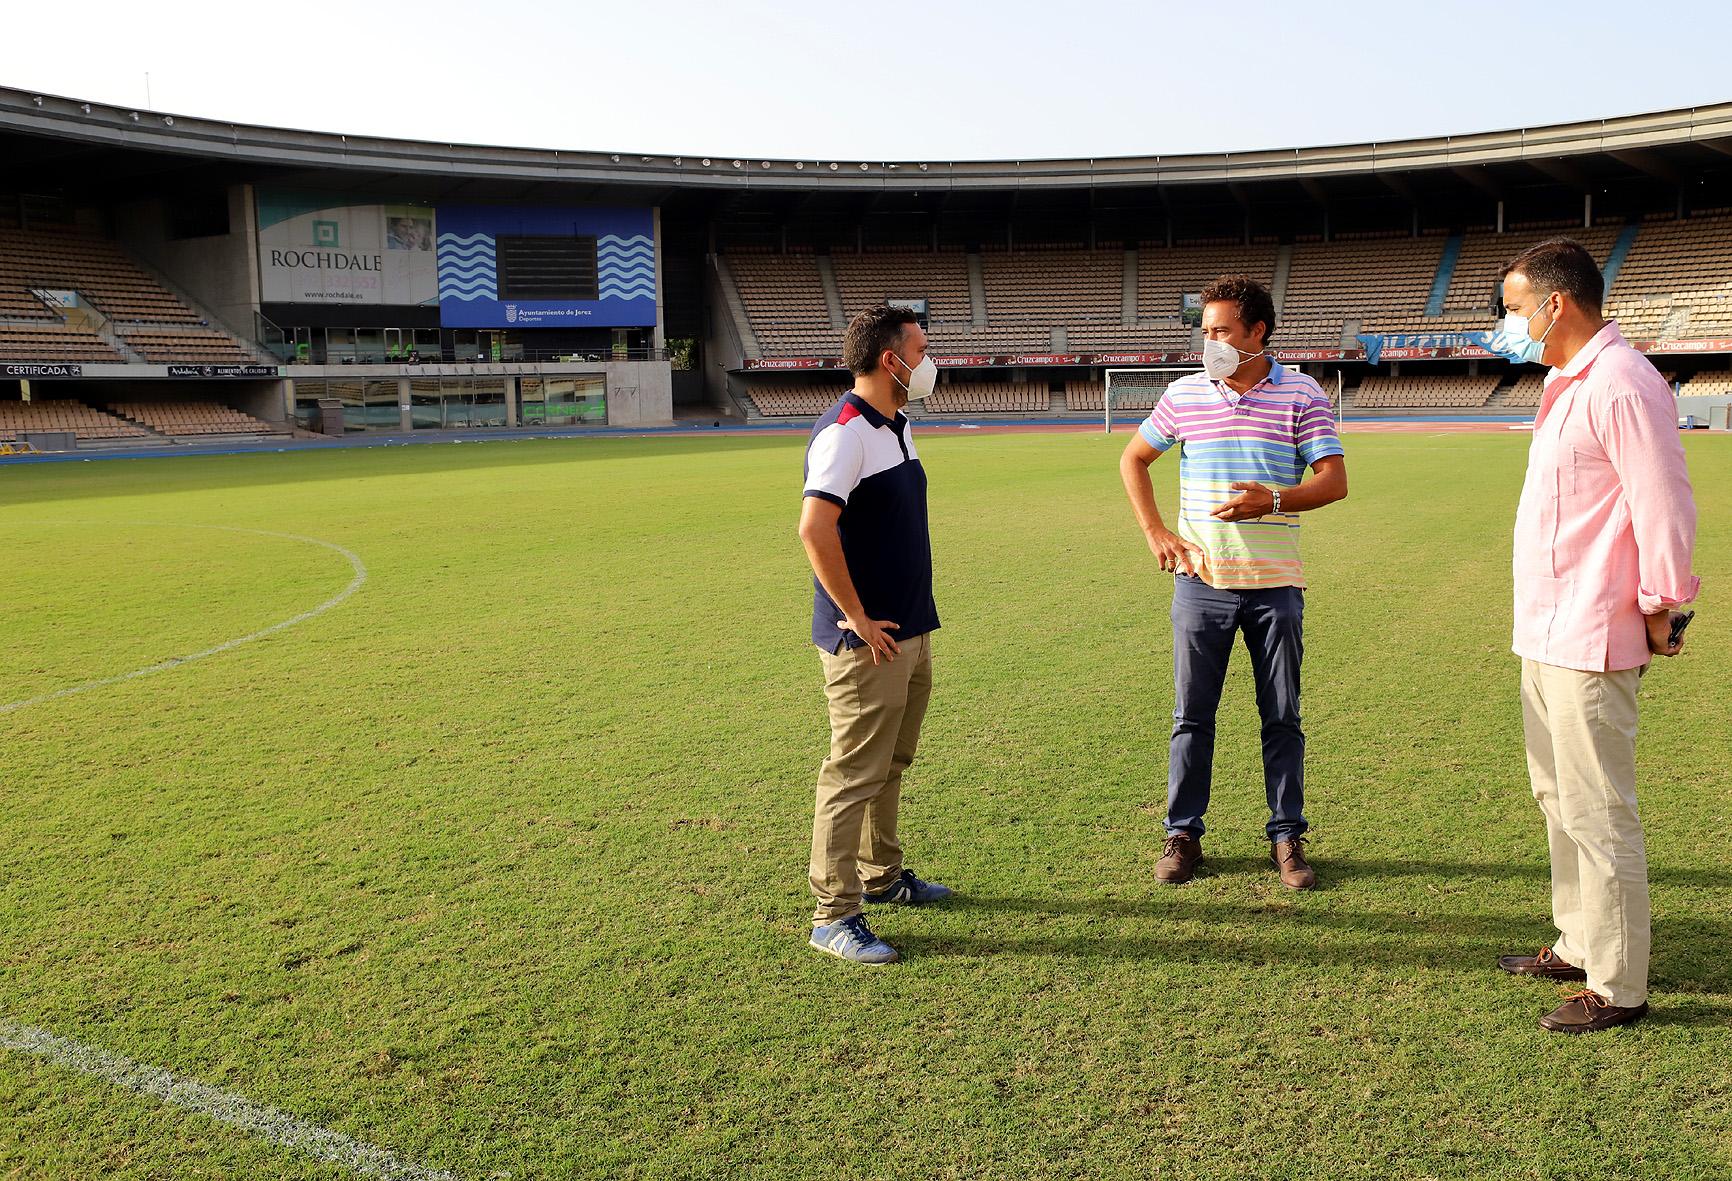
{"x": 1289, "y": 858}
{"x": 1546, "y": 964}
{"x": 1180, "y": 857}
{"x": 1588, "y": 1011}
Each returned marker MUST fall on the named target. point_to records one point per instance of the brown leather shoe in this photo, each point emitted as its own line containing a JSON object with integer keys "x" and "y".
{"x": 1588, "y": 1011}
{"x": 1289, "y": 857}
{"x": 1546, "y": 964}
{"x": 1180, "y": 857}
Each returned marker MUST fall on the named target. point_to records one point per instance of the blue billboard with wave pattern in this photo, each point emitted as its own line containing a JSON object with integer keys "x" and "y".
{"x": 532, "y": 267}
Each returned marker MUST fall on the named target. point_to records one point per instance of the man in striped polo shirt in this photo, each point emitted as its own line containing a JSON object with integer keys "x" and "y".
{"x": 1247, "y": 429}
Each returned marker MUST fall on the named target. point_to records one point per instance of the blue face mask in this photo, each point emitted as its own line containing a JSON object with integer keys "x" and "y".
{"x": 1514, "y": 342}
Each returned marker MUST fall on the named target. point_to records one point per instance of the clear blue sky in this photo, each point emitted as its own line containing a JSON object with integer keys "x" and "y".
{"x": 925, "y": 81}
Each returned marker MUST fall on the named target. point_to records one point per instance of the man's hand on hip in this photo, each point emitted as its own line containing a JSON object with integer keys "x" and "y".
{"x": 1660, "y": 633}
{"x": 1175, "y": 553}
{"x": 875, "y": 633}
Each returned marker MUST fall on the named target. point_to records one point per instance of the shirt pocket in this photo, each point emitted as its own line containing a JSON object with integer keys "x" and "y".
{"x": 1568, "y": 469}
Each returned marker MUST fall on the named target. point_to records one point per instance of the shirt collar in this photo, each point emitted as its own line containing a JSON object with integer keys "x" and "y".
{"x": 869, "y": 413}
{"x": 1586, "y": 355}
{"x": 1276, "y": 373}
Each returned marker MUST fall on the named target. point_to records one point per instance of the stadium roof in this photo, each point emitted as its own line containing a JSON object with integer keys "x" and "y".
{"x": 69, "y": 139}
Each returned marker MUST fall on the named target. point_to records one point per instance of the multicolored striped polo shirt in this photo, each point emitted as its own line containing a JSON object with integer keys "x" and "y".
{"x": 1271, "y": 434}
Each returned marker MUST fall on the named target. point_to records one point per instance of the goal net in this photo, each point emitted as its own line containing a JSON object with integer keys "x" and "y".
{"x": 1132, "y": 393}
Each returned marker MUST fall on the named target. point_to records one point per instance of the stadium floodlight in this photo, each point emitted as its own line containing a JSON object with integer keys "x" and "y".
{"x": 1139, "y": 387}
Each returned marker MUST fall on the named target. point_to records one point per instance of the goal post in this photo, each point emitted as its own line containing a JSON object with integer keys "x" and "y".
{"x": 1138, "y": 387}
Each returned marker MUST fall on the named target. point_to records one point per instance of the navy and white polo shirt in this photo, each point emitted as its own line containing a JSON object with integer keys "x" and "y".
{"x": 866, "y": 463}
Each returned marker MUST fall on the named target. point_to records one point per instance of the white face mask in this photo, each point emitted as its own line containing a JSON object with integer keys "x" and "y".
{"x": 922, "y": 378}
{"x": 1221, "y": 360}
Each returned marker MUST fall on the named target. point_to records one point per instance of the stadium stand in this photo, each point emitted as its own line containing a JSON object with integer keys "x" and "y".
{"x": 1714, "y": 384}
{"x": 1676, "y": 282}
{"x": 780, "y": 400}
{"x": 87, "y": 422}
{"x": 52, "y": 342}
{"x": 1440, "y": 391}
{"x": 1054, "y": 286}
{"x": 1473, "y": 286}
{"x": 784, "y": 300}
{"x": 191, "y": 345}
{"x": 989, "y": 397}
{"x": 940, "y": 278}
{"x": 1165, "y": 275}
{"x": 1378, "y": 281}
{"x": 59, "y": 258}
{"x": 1162, "y": 337}
{"x": 1526, "y": 392}
{"x": 190, "y": 418}
{"x": 1092, "y": 395}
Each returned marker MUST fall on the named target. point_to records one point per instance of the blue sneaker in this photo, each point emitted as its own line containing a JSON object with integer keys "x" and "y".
{"x": 851, "y": 939}
{"x": 911, "y": 890}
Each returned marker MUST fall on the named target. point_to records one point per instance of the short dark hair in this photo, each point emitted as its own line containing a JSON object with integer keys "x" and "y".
{"x": 1559, "y": 264}
{"x": 1255, "y": 304}
{"x": 871, "y": 332}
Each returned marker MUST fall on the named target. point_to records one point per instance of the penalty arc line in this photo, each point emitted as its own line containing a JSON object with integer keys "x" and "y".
{"x": 267, "y": 1123}
{"x": 336, "y": 600}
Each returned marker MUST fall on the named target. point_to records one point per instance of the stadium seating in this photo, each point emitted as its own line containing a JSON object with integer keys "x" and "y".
{"x": 1376, "y": 281}
{"x": 87, "y": 422}
{"x": 789, "y": 400}
{"x": 1676, "y": 282}
{"x": 940, "y": 278}
{"x": 184, "y": 345}
{"x": 1162, "y": 337}
{"x": 1526, "y": 392}
{"x": 1092, "y": 395}
{"x": 1439, "y": 391}
{"x": 1473, "y": 285}
{"x": 988, "y": 397}
{"x": 1166, "y": 275}
{"x": 190, "y": 418}
{"x": 1715, "y": 384}
{"x": 62, "y": 258}
{"x": 100, "y": 269}
{"x": 784, "y": 300}
{"x": 52, "y": 342}
{"x": 1054, "y": 287}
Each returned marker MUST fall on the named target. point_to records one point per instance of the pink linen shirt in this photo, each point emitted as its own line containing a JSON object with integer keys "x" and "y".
{"x": 1607, "y": 521}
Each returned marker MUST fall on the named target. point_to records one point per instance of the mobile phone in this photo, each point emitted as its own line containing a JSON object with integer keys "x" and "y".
{"x": 1679, "y": 623}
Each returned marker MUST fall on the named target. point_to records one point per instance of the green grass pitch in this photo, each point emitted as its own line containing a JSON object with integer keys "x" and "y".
{"x": 500, "y": 864}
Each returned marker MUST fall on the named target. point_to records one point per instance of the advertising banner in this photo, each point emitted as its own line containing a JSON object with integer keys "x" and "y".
{"x": 506, "y": 266}
{"x": 329, "y": 249}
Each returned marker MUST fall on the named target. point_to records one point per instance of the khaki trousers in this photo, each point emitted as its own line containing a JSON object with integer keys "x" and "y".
{"x": 1581, "y": 748}
{"x": 875, "y": 716}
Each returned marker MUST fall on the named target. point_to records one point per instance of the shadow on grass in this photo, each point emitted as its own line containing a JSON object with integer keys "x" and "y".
{"x": 1689, "y": 950}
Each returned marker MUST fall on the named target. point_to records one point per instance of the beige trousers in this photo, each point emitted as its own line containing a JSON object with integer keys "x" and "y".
{"x": 875, "y": 716}
{"x": 1581, "y": 747}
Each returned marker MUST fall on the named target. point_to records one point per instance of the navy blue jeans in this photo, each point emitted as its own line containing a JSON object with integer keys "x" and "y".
{"x": 1205, "y": 620}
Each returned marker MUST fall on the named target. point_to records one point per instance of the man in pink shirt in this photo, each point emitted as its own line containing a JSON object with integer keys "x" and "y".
{"x": 1603, "y": 540}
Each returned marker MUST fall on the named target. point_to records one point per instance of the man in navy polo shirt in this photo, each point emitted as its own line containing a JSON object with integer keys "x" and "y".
{"x": 864, "y": 528}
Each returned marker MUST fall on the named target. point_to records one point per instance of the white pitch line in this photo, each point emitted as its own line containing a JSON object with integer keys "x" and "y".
{"x": 176, "y": 661}
{"x": 267, "y": 1123}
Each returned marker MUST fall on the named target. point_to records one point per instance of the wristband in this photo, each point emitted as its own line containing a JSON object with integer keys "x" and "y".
{"x": 1277, "y": 509}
